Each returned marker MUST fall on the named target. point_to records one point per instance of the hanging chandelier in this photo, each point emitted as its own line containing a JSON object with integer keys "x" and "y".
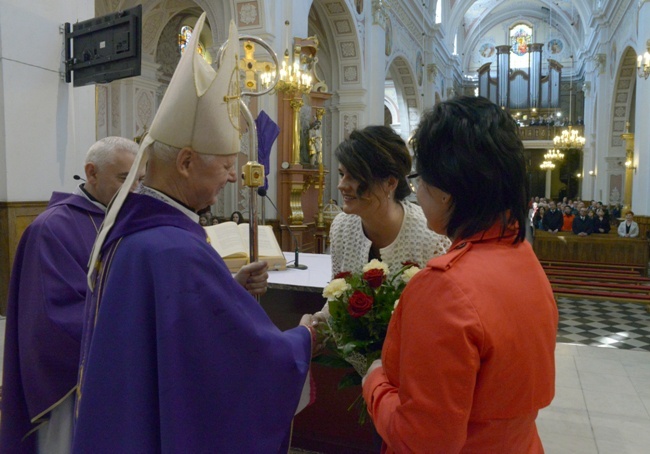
{"x": 553, "y": 155}
{"x": 547, "y": 165}
{"x": 570, "y": 139}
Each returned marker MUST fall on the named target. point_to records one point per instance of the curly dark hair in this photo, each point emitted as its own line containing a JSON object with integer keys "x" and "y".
{"x": 373, "y": 154}
{"x": 470, "y": 148}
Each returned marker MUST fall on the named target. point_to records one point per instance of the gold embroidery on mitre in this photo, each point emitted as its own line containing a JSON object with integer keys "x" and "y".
{"x": 233, "y": 96}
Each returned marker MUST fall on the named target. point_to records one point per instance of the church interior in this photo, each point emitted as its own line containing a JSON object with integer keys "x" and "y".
{"x": 575, "y": 75}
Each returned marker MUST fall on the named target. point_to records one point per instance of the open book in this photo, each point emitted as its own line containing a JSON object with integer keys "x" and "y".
{"x": 231, "y": 242}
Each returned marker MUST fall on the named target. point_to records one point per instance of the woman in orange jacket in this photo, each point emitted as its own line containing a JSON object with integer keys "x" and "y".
{"x": 469, "y": 356}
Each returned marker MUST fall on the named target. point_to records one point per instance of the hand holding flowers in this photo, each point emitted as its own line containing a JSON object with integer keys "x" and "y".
{"x": 360, "y": 307}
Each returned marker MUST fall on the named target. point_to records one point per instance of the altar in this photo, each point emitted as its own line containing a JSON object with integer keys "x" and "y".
{"x": 325, "y": 426}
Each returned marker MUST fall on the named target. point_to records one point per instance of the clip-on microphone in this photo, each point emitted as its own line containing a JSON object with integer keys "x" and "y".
{"x": 77, "y": 177}
{"x": 296, "y": 262}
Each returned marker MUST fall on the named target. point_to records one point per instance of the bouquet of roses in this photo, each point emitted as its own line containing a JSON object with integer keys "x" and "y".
{"x": 360, "y": 307}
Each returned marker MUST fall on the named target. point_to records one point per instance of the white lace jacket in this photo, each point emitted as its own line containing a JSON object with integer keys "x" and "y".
{"x": 350, "y": 248}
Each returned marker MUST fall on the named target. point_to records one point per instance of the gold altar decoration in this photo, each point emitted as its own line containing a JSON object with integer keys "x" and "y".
{"x": 296, "y": 80}
{"x": 317, "y": 144}
{"x": 256, "y": 70}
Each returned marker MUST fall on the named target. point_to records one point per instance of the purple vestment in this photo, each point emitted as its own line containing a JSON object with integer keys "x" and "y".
{"x": 47, "y": 294}
{"x": 176, "y": 355}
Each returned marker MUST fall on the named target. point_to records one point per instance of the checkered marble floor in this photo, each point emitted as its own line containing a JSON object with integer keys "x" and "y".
{"x": 603, "y": 324}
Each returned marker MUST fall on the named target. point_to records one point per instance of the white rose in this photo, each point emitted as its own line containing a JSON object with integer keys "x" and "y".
{"x": 335, "y": 289}
{"x": 376, "y": 264}
{"x": 409, "y": 273}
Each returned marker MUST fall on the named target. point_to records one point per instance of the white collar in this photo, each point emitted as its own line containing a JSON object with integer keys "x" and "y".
{"x": 82, "y": 193}
{"x": 146, "y": 190}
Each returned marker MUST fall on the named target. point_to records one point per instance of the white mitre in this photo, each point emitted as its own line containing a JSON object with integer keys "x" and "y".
{"x": 200, "y": 110}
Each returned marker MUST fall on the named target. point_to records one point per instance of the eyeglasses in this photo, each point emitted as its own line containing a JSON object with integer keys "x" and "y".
{"x": 413, "y": 181}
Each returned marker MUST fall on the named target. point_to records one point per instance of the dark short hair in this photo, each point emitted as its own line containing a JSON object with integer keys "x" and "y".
{"x": 375, "y": 153}
{"x": 470, "y": 148}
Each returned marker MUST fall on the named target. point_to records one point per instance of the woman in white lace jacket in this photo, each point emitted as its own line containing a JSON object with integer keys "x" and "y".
{"x": 377, "y": 221}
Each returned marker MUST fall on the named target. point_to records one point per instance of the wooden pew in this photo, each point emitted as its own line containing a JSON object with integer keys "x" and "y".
{"x": 607, "y": 249}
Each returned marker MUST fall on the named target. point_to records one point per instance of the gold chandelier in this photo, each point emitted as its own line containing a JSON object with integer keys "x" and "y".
{"x": 570, "y": 139}
{"x": 547, "y": 165}
{"x": 553, "y": 155}
{"x": 293, "y": 78}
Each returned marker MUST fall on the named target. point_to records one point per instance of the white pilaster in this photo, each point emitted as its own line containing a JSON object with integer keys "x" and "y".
{"x": 641, "y": 184}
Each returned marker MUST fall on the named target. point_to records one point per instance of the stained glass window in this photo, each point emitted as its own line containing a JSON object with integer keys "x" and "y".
{"x": 184, "y": 39}
{"x": 521, "y": 35}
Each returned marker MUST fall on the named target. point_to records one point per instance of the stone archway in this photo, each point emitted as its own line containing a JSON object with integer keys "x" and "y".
{"x": 340, "y": 31}
{"x": 403, "y": 79}
{"x": 622, "y": 112}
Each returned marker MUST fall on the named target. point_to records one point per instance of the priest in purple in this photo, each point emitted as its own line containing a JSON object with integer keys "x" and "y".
{"x": 47, "y": 294}
{"x": 176, "y": 355}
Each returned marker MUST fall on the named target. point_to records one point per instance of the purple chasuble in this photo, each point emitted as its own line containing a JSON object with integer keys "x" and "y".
{"x": 47, "y": 293}
{"x": 176, "y": 355}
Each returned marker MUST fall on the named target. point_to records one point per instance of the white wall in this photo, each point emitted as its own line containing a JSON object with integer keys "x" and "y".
{"x": 46, "y": 126}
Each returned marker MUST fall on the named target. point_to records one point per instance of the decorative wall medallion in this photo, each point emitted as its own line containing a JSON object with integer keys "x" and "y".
{"x": 144, "y": 107}
{"x": 487, "y": 50}
{"x": 247, "y": 14}
{"x": 350, "y": 74}
{"x": 335, "y": 8}
{"x": 348, "y": 49}
{"x": 555, "y": 47}
{"x": 350, "y": 122}
{"x": 343, "y": 27}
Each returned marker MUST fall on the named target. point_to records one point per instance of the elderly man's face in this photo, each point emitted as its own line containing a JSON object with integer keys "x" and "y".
{"x": 209, "y": 175}
{"x": 107, "y": 179}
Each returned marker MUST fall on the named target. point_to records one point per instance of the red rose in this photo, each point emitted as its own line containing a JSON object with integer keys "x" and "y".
{"x": 359, "y": 304}
{"x": 342, "y": 275}
{"x": 374, "y": 277}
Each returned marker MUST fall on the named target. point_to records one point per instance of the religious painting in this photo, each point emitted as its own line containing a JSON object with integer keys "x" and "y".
{"x": 389, "y": 37}
{"x": 419, "y": 68}
{"x": 520, "y": 39}
{"x": 487, "y": 49}
{"x": 555, "y": 46}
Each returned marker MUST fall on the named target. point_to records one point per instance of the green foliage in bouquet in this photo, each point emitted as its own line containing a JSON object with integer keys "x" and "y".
{"x": 360, "y": 307}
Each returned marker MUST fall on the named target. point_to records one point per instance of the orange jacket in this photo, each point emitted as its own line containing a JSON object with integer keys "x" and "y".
{"x": 469, "y": 356}
{"x": 567, "y": 222}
